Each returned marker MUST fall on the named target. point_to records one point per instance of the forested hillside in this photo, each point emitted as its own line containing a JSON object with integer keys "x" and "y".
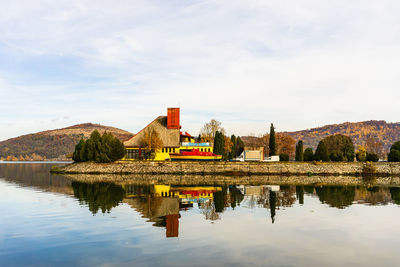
{"x": 54, "y": 143}
{"x": 359, "y": 132}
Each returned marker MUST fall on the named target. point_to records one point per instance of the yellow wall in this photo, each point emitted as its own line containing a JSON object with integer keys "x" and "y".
{"x": 163, "y": 154}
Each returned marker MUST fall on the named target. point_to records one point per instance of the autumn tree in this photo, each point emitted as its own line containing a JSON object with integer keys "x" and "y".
{"x": 209, "y": 130}
{"x": 227, "y": 147}
{"x": 299, "y": 151}
{"x": 272, "y": 142}
{"x": 361, "y": 154}
{"x": 151, "y": 143}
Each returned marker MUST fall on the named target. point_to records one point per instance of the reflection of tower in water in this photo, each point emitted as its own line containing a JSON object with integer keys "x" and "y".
{"x": 161, "y": 203}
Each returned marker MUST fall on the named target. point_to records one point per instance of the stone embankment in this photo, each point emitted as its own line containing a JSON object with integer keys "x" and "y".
{"x": 174, "y": 179}
{"x": 231, "y": 168}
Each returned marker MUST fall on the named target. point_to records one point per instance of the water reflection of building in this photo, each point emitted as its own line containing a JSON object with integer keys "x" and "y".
{"x": 161, "y": 203}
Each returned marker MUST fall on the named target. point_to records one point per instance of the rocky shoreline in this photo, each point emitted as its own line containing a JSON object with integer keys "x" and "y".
{"x": 233, "y": 168}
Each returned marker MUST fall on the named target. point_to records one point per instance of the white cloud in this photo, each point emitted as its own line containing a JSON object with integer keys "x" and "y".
{"x": 299, "y": 64}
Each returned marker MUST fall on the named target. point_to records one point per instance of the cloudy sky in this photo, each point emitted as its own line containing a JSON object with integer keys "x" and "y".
{"x": 297, "y": 63}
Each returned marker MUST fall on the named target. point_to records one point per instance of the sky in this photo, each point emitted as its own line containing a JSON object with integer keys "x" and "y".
{"x": 297, "y": 63}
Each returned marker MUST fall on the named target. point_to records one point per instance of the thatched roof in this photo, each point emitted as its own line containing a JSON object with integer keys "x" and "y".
{"x": 169, "y": 137}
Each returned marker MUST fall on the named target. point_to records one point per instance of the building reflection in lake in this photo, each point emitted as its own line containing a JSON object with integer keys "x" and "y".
{"x": 162, "y": 204}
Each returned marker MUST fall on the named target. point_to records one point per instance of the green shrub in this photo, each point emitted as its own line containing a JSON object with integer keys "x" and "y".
{"x": 308, "y": 154}
{"x": 336, "y": 156}
{"x": 283, "y": 157}
{"x": 372, "y": 157}
{"x": 394, "y": 154}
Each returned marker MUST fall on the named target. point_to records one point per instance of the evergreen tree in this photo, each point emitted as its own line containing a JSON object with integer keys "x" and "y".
{"x": 84, "y": 152}
{"x": 78, "y": 149}
{"x": 322, "y": 152}
{"x": 394, "y": 154}
{"x": 272, "y": 142}
{"x": 90, "y": 150}
{"x": 94, "y": 146}
{"x": 219, "y": 143}
{"x": 99, "y": 148}
{"x": 308, "y": 154}
{"x": 232, "y": 154}
{"x": 272, "y": 204}
{"x": 118, "y": 150}
{"x": 299, "y": 151}
{"x": 340, "y": 147}
{"x": 239, "y": 146}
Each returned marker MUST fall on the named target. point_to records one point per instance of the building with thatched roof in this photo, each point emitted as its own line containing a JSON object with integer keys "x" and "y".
{"x": 160, "y": 138}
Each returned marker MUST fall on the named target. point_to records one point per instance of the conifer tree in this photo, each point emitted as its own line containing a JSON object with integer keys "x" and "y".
{"x": 239, "y": 146}
{"x": 299, "y": 151}
{"x": 272, "y": 142}
{"x": 219, "y": 142}
{"x": 118, "y": 150}
{"x": 232, "y": 153}
{"x": 77, "y": 153}
{"x": 83, "y": 155}
{"x": 99, "y": 148}
{"x": 322, "y": 152}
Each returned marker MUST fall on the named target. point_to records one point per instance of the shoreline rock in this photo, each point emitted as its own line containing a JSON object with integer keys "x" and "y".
{"x": 232, "y": 168}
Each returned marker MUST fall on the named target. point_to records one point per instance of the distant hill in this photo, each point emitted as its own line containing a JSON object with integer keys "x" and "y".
{"x": 54, "y": 143}
{"x": 359, "y": 132}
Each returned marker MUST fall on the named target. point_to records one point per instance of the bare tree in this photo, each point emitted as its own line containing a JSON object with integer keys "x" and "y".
{"x": 210, "y": 128}
{"x": 374, "y": 146}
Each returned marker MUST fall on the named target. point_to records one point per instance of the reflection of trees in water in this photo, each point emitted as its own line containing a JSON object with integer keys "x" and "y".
{"x": 395, "y": 195}
{"x": 373, "y": 195}
{"x": 208, "y": 210}
{"x": 36, "y": 175}
{"x": 97, "y": 196}
{"x": 300, "y": 194}
{"x": 286, "y": 196}
{"x": 235, "y": 196}
{"x": 336, "y": 196}
{"x": 272, "y": 204}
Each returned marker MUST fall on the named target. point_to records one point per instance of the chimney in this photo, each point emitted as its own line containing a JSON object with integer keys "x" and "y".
{"x": 173, "y": 118}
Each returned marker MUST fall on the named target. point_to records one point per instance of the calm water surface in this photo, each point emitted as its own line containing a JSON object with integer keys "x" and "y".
{"x": 51, "y": 221}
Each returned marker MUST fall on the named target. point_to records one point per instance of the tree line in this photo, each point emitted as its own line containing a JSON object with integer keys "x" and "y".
{"x": 99, "y": 148}
{"x": 340, "y": 148}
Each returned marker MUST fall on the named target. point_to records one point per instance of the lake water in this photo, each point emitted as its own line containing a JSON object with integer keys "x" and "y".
{"x": 52, "y": 221}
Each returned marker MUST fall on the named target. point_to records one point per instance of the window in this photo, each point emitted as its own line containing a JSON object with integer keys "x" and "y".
{"x": 132, "y": 153}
